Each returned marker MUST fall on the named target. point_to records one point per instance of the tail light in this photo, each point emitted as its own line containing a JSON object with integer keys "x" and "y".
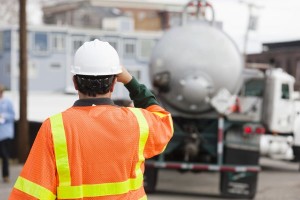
{"x": 247, "y": 129}
{"x": 260, "y": 130}
{"x": 253, "y": 129}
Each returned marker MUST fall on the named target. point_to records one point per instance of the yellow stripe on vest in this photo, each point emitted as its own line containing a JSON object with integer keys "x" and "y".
{"x": 33, "y": 189}
{"x": 66, "y": 191}
{"x": 97, "y": 190}
{"x": 161, "y": 115}
{"x": 143, "y": 198}
{"x": 61, "y": 150}
{"x": 144, "y": 133}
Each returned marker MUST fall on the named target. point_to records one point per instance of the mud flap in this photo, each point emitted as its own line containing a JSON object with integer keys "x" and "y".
{"x": 239, "y": 184}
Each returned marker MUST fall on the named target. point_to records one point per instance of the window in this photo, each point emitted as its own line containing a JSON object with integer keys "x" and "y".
{"x": 285, "y": 91}
{"x": 7, "y": 69}
{"x": 40, "y": 42}
{"x": 129, "y": 48}
{"x": 254, "y": 88}
{"x": 77, "y": 41}
{"x": 126, "y": 24}
{"x": 114, "y": 45}
{"x": 145, "y": 48}
{"x": 77, "y": 44}
{"x": 86, "y": 20}
{"x": 58, "y": 42}
{"x": 6, "y": 40}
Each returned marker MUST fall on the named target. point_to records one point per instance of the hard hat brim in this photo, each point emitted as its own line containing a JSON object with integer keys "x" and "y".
{"x": 78, "y": 72}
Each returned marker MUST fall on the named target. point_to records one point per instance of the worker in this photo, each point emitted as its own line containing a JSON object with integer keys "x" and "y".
{"x": 7, "y": 119}
{"x": 95, "y": 149}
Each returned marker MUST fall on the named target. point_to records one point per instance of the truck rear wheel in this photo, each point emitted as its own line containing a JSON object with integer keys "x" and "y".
{"x": 150, "y": 179}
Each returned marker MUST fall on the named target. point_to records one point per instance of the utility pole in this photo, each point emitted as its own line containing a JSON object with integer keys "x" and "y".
{"x": 252, "y": 23}
{"x": 23, "y": 136}
{"x": 250, "y": 7}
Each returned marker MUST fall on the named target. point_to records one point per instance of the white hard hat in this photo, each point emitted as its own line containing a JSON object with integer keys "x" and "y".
{"x": 96, "y": 58}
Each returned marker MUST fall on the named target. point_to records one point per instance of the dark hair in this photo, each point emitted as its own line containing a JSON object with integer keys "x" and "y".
{"x": 93, "y": 85}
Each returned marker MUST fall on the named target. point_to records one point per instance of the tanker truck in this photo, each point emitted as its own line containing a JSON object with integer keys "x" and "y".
{"x": 220, "y": 109}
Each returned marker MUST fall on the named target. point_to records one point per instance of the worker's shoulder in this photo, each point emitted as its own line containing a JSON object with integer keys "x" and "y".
{"x": 55, "y": 116}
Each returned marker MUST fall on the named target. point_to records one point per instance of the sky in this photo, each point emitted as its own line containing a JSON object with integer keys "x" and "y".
{"x": 277, "y": 20}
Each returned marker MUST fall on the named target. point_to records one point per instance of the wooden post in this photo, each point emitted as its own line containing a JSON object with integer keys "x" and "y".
{"x": 23, "y": 136}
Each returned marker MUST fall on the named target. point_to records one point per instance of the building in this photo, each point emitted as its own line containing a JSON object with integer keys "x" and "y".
{"x": 150, "y": 15}
{"x": 51, "y": 50}
{"x": 285, "y": 55}
{"x": 77, "y": 14}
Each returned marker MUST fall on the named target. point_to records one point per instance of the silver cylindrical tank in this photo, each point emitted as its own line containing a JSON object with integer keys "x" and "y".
{"x": 191, "y": 63}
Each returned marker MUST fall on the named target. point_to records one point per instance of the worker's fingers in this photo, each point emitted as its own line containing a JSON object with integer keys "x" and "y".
{"x": 124, "y": 77}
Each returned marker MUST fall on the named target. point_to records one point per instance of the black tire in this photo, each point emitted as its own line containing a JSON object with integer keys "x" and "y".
{"x": 296, "y": 150}
{"x": 150, "y": 179}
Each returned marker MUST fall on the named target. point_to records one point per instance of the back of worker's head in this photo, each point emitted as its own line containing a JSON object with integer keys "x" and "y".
{"x": 96, "y": 65}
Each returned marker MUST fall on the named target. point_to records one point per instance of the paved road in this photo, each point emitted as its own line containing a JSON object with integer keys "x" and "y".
{"x": 5, "y": 188}
{"x": 278, "y": 181}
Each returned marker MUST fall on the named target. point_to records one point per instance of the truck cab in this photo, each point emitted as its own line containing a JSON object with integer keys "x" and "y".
{"x": 267, "y": 96}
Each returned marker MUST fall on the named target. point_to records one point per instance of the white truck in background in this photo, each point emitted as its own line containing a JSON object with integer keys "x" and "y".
{"x": 268, "y": 96}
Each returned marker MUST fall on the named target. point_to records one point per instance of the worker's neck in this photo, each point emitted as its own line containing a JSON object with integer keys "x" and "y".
{"x": 83, "y": 96}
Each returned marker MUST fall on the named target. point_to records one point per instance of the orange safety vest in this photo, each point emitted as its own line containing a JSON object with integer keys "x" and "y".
{"x": 78, "y": 174}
